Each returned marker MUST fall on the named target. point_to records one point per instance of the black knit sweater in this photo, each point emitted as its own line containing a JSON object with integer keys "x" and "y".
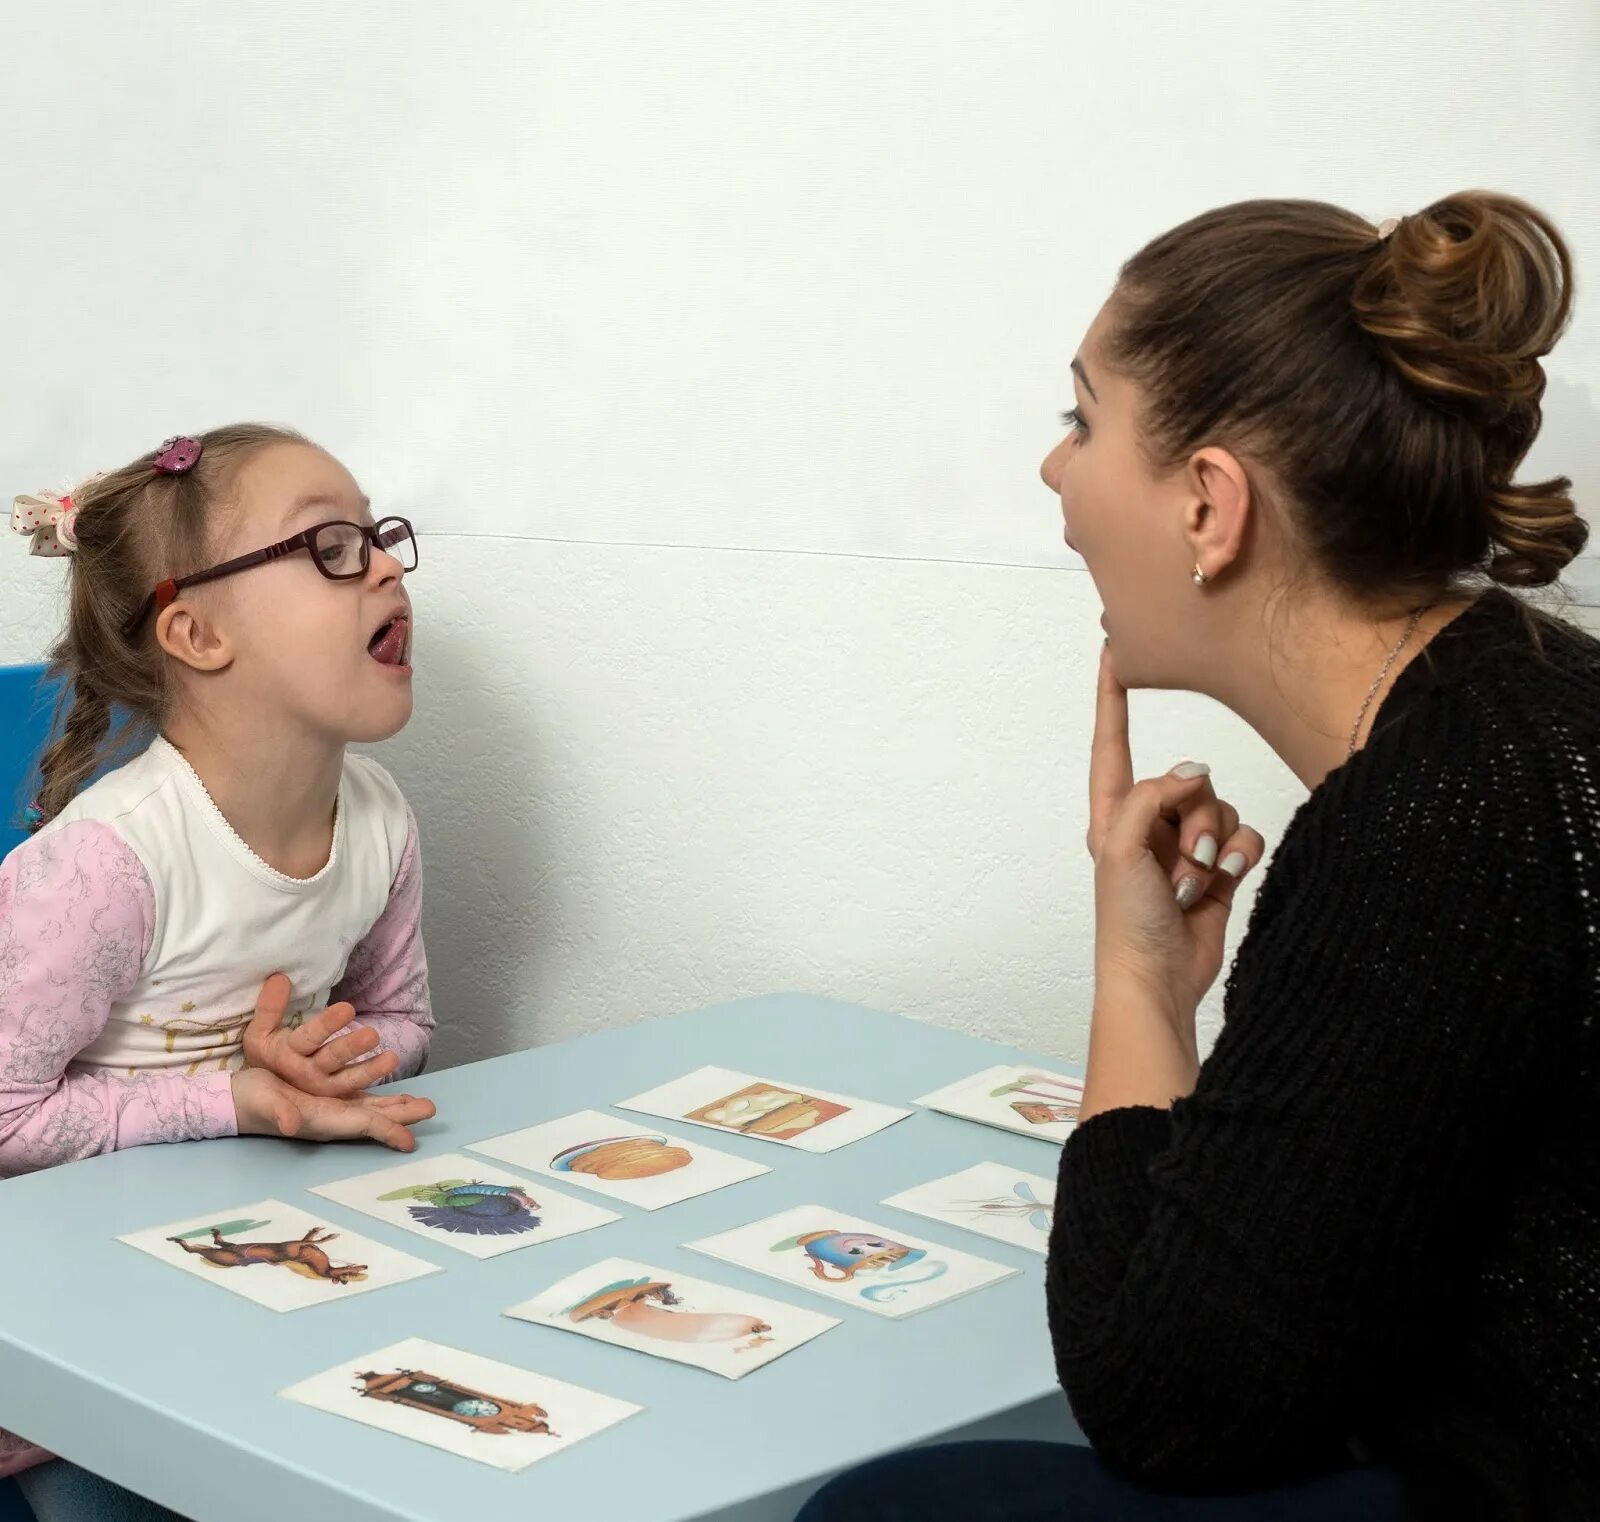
{"x": 1373, "y": 1231}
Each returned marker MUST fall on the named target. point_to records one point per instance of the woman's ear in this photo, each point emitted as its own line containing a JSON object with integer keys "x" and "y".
{"x": 185, "y": 632}
{"x": 1218, "y": 515}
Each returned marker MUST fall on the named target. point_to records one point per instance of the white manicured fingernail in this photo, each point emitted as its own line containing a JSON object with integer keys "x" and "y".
{"x": 1190, "y": 770}
{"x": 1205, "y": 851}
{"x": 1234, "y": 863}
{"x": 1188, "y": 894}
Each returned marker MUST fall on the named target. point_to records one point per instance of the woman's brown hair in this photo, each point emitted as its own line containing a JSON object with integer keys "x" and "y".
{"x": 133, "y": 527}
{"x": 1388, "y": 380}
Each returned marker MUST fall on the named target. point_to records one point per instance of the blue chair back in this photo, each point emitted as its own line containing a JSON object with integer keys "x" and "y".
{"x": 27, "y": 707}
{"x": 27, "y": 704}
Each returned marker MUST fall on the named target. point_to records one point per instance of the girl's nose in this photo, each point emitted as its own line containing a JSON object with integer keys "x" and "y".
{"x": 1050, "y": 471}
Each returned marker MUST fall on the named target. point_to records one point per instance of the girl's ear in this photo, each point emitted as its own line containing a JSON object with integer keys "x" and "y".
{"x": 188, "y": 635}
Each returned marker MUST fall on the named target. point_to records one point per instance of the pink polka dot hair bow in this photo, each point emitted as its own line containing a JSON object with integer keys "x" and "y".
{"x": 49, "y": 518}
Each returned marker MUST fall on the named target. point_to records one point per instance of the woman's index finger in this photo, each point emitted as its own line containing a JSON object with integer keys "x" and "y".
{"x": 1110, "y": 757}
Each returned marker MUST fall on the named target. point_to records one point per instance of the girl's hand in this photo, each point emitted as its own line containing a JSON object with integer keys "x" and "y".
{"x": 1168, "y": 856}
{"x": 308, "y": 1057}
{"x": 267, "y": 1106}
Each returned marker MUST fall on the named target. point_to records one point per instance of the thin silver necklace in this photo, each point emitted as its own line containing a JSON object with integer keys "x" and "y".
{"x": 1383, "y": 671}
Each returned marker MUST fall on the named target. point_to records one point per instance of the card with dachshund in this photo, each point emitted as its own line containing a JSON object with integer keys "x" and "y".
{"x": 280, "y": 1257}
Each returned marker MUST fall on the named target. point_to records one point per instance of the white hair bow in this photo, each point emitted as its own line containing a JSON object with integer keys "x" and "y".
{"x": 49, "y": 518}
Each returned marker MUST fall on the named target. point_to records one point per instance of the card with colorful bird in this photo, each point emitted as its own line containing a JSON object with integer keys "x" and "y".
{"x": 467, "y": 1204}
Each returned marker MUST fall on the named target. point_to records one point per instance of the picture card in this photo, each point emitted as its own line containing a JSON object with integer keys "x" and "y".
{"x": 477, "y": 1407}
{"x": 726, "y": 1100}
{"x": 467, "y": 1204}
{"x": 278, "y": 1256}
{"x": 991, "y": 1199}
{"x": 639, "y": 1164}
{"x": 1014, "y": 1098}
{"x": 851, "y": 1261}
{"x": 671, "y": 1315}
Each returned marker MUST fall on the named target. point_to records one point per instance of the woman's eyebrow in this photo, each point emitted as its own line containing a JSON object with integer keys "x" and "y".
{"x": 1083, "y": 375}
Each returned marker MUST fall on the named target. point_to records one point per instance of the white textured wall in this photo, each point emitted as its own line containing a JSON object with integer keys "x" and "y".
{"x": 798, "y": 277}
{"x": 784, "y": 276}
{"x": 651, "y": 779}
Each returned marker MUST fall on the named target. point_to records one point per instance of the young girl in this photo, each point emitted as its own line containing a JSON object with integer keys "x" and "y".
{"x": 235, "y": 609}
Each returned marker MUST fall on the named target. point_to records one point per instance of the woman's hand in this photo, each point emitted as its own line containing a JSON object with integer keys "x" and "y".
{"x": 308, "y": 1057}
{"x": 267, "y": 1106}
{"x": 1168, "y": 856}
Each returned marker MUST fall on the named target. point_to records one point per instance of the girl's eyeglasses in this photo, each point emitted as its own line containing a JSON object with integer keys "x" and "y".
{"x": 341, "y": 551}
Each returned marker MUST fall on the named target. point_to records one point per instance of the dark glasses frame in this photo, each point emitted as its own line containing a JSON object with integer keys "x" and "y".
{"x": 380, "y": 535}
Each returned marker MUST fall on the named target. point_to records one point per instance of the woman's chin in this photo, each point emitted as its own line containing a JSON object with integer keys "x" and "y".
{"x": 1126, "y": 671}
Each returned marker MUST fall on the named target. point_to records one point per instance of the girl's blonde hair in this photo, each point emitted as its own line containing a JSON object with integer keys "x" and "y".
{"x": 134, "y": 527}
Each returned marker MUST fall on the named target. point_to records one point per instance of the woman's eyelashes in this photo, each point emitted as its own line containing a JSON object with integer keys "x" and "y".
{"x": 1073, "y": 420}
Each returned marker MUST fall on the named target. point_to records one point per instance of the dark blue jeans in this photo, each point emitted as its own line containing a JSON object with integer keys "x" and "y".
{"x": 61, "y": 1492}
{"x": 1056, "y": 1482}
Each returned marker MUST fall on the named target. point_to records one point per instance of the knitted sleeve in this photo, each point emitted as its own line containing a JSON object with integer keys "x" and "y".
{"x": 1232, "y": 1282}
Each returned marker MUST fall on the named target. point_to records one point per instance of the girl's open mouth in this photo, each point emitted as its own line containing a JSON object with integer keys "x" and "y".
{"x": 391, "y": 645}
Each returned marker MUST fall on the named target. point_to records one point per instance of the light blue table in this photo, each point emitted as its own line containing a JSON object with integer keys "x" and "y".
{"x": 167, "y": 1384}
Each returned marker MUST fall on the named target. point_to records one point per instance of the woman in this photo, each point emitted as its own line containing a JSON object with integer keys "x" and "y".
{"x": 1349, "y": 1266}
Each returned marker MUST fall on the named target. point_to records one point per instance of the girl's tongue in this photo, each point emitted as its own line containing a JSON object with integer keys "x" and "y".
{"x": 388, "y": 648}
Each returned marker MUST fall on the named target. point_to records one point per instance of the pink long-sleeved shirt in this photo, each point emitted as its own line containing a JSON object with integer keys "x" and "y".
{"x": 135, "y": 933}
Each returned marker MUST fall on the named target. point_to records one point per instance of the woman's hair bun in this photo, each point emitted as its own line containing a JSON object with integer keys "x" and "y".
{"x": 1464, "y": 299}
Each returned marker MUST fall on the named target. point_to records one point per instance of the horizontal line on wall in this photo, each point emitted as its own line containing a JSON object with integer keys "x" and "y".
{"x": 747, "y": 549}
{"x": 1581, "y": 584}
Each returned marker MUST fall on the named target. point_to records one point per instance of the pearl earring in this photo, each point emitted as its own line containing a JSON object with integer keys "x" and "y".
{"x": 1198, "y": 577}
